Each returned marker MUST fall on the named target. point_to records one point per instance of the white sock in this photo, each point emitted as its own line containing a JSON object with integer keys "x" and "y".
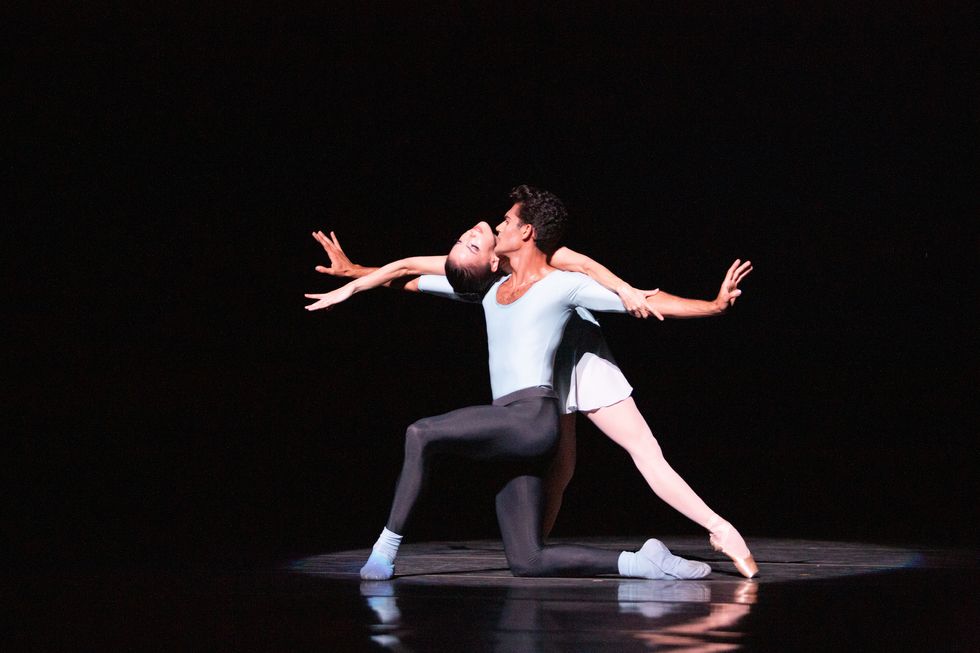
{"x": 388, "y": 544}
{"x": 381, "y": 563}
{"x": 655, "y": 561}
{"x": 631, "y": 567}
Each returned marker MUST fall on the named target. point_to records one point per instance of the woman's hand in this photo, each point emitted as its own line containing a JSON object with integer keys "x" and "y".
{"x": 340, "y": 265}
{"x": 635, "y": 301}
{"x": 647, "y": 294}
{"x": 330, "y": 299}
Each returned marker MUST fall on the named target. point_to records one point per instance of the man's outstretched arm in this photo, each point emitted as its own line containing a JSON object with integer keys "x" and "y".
{"x": 679, "y": 307}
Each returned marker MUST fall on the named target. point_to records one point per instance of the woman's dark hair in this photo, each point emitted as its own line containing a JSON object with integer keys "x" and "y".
{"x": 545, "y": 212}
{"x": 470, "y": 281}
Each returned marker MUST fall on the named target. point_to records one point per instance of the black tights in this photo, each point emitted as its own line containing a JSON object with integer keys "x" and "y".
{"x": 520, "y": 431}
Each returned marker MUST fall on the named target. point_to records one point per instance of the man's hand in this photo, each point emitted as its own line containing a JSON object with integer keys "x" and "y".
{"x": 330, "y": 299}
{"x": 729, "y": 291}
{"x": 340, "y": 265}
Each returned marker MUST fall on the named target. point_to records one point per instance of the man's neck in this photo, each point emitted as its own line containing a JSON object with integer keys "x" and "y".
{"x": 528, "y": 264}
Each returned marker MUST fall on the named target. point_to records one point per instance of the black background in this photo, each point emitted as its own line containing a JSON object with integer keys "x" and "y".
{"x": 168, "y": 400}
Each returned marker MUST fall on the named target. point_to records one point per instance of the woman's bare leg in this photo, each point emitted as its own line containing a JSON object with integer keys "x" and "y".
{"x": 624, "y": 425}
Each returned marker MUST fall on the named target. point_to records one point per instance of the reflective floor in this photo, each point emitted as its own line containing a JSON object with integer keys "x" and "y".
{"x": 459, "y": 596}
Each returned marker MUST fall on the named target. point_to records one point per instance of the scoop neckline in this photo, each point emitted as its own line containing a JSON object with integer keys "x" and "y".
{"x": 505, "y": 278}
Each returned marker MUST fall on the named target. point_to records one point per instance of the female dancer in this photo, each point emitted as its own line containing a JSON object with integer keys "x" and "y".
{"x": 586, "y": 377}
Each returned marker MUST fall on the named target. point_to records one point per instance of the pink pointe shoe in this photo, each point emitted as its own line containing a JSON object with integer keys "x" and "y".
{"x": 726, "y": 539}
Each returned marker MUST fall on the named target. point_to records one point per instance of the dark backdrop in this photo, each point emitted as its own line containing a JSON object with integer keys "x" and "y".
{"x": 168, "y": 401}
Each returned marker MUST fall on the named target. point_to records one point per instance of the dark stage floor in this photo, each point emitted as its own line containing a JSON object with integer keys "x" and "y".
{"x": 459, "y": 596}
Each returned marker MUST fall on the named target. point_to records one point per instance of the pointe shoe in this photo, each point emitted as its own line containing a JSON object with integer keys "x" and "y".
{"x": 726, "y": 539}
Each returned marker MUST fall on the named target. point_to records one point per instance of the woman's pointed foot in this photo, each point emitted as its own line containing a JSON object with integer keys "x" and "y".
{"x": 746, "y": 566}
{"x": 726, "y": 539}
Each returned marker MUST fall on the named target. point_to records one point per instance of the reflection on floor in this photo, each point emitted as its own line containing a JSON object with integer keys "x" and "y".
{"x": 459, "y": 596}
{"x": 682, "y": 614}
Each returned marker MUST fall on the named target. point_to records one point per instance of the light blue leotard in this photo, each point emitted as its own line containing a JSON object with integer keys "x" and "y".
{"x": 522, "y": 336}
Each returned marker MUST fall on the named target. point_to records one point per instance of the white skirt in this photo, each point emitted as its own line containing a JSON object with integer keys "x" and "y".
{"x": 586, "y": 375}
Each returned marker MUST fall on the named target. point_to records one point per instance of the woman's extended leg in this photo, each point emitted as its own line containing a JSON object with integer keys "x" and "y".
{"x": 625, "y": 426}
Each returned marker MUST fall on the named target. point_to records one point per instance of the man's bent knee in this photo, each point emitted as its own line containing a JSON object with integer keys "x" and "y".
{"x": 417, "y": 436}
{"x": 531, "y": 567}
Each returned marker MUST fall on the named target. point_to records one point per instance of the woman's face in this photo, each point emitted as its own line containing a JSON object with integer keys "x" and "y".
{"x": 475, "y": 247}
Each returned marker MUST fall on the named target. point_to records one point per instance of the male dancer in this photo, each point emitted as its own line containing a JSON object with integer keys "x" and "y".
{"x": 525, "y": 313}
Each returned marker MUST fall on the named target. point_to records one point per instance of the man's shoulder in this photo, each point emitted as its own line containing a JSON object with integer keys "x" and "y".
{"x": 563, "y": 284}
{"x": 569, "y": 279}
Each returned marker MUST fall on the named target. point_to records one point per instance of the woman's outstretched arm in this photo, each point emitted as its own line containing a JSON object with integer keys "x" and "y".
{"x": 406, "y": 267}
{"x": 342, "y": 266}
{"x": 633, "y": 299}
{"x": 564, "y": 259}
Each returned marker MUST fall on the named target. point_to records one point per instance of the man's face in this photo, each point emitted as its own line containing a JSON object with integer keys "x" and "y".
{"x": 475, "y": 248}
{"x": 512, "y": 231}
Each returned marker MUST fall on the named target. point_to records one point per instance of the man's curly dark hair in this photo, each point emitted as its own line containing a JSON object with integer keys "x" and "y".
{"x": 545, "y": 212}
